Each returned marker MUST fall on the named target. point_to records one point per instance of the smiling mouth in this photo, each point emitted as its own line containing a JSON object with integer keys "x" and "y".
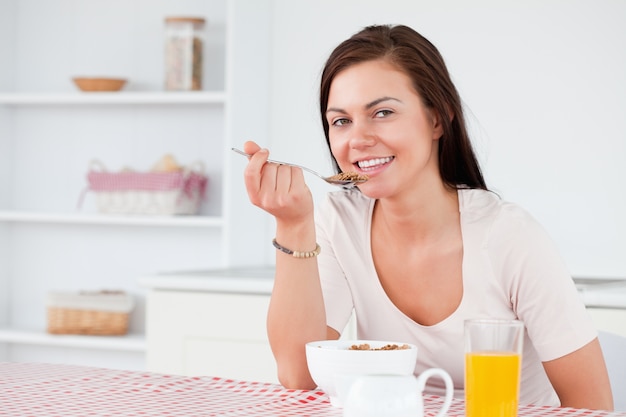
{"x": 371, "y": 164}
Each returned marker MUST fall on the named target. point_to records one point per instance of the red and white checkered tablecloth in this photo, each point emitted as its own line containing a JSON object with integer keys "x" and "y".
{"x": 34, "y": 389}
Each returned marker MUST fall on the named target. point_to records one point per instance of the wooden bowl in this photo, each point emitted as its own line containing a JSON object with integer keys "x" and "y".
{"x": 99, "y": 84}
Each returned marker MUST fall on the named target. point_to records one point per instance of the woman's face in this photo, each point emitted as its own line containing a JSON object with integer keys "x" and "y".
{"x": 379, "y": 126}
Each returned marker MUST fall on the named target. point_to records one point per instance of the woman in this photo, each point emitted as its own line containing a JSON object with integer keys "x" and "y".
{"x": 422, "y": 245}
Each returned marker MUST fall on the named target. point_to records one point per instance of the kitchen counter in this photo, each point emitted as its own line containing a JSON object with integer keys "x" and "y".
{"x": 603, "y": 293}
{"x": 178, "y": 333}
{"x": 245, "y": 280}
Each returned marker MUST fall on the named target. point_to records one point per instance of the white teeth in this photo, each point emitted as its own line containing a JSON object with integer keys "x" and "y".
{"x": 374, "y": 162}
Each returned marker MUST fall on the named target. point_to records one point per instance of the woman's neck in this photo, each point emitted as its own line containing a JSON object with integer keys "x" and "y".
{"x": 423, "y": 216}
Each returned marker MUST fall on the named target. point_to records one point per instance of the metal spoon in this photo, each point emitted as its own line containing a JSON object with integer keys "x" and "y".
{"x": 337, "y": 179}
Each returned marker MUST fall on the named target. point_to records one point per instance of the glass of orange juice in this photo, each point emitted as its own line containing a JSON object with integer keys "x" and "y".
{"x": 493, "y": 360}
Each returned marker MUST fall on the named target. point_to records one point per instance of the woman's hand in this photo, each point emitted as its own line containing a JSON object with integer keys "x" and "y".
{"x": 278, "y": 189}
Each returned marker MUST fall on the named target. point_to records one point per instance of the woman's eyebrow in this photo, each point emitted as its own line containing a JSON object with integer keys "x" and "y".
{"x": 380, "y": 100}
{"x": 367, "y": 106}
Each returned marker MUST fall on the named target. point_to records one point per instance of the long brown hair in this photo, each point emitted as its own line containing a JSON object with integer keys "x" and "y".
{"x": 421, "y": 61}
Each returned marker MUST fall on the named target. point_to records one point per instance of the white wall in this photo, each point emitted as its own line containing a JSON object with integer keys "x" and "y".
{"x": 6, "y": 76}
{"x": 546, "y": 96}
{"x": 7, "y": 41}
{"x": 112, "y": 38}
{"x": 7, "y": 46}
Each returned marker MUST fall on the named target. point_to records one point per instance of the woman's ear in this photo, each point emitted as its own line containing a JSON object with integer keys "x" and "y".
{"x": 437, "y": 125}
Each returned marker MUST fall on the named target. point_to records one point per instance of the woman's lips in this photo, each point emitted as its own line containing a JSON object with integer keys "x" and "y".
{"x": 374, "y": 163}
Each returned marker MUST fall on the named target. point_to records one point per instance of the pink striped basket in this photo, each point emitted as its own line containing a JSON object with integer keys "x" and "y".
{"x": 158, "y": 193}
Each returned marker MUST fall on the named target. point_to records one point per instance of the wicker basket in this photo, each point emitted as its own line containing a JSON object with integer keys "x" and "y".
{"x": 89, "y": 313}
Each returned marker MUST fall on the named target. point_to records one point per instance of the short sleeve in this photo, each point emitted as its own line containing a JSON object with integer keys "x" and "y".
{"x": 542, "y": 292}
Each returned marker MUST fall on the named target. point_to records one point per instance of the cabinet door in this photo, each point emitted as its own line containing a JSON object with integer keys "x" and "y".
{"x": 609, "y": 319}
{"x": 247, "y": 360}
{"x": 201, "y": 333}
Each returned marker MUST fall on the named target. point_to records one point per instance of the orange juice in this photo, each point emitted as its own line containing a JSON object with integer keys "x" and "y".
{"x": 492, "y": 384}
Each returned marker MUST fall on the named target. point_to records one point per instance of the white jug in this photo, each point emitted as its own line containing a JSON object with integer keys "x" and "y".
{"x": 393, "y": 395}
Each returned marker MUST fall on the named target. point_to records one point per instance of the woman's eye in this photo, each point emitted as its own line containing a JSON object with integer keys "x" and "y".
{"x": 340, "y": 122}
{"x": 383, "y": 113}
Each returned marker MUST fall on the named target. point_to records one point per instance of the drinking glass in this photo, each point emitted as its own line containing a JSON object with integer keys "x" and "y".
{"x": 493, "y": 359}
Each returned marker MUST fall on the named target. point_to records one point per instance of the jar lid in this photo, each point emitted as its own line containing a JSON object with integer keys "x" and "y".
{"x": 182, "y": 19}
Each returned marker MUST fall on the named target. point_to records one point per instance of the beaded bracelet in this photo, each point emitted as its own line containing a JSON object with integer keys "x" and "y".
{"x": 295, "y": 253}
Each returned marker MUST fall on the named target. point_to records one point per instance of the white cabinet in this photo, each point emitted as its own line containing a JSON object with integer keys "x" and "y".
{"x": 210, "y": 323}
{"x": 215, "y": 334}
{"x": 49, "y": 131}
{"x": 606, "y": 302}
{"x": 213, "y": 323}
{"x": 611, "y": 320}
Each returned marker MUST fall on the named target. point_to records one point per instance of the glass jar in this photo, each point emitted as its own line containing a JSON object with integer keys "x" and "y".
{"x": 183, "y": 53}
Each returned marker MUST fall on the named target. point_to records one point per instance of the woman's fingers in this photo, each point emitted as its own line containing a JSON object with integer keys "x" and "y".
{"x": 254, "y": 169}
{"x": 278, "y": 189}
{"x": 276, "y": 184}
{"x": 251, "y": 147}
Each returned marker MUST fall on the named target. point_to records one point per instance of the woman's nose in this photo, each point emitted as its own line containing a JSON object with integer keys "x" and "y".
{"x": 362, "y": 135}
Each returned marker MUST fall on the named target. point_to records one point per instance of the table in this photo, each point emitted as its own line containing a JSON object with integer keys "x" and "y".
{"x": 36, "y": 389}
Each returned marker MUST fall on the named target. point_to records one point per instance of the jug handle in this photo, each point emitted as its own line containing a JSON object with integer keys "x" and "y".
{"x": 421, "y": 383}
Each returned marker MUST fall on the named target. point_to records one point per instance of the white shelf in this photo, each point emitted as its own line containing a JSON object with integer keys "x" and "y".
{"x": 131, "y": 342}
{"x": 156, "y": 97}
{"x": 105, "y": 219}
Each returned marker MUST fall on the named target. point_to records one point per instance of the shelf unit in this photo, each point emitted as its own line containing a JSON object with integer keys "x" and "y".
{"x": 130, "y": 343}
{"x": 95, "y": 219}
{"x": 49, "y": 133}
{"x": 142, "y": 97}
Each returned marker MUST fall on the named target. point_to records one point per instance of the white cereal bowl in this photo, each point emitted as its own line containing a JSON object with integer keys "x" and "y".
{"x": 334, "y": 366}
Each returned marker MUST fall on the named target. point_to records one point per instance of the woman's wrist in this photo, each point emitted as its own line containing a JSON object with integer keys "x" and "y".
{"x": 297, "y": 239}
{"x": 292, "y": 233}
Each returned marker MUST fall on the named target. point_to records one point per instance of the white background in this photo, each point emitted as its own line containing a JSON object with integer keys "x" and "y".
{"x": 544, "y": 83}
